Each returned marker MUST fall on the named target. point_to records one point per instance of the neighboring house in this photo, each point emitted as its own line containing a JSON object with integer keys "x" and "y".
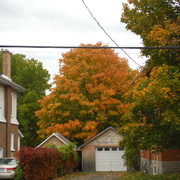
{"x": 9, "y": 132}
{"x": 102, "y": 152}
{"x": 55, "y": 139}
{"x": 167, "y": 161}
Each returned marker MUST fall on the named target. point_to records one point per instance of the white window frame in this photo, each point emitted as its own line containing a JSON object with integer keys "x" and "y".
{"x": 1, "y": 152}
{"x": 19, "y": 142}
{"x": 2, "y": 118}
{"x": 12, "y": 142}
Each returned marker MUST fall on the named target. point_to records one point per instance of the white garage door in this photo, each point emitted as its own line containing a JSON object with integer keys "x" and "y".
{"x": 110, "y": 159}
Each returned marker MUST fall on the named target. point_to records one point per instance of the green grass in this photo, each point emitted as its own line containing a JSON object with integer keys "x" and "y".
{"x": 139, "y": 175}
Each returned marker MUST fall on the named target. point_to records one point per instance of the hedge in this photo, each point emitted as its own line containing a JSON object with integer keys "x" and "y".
{"x": 39, "y": 164}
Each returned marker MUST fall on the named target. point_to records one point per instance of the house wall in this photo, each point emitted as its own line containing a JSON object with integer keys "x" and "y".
{"x": 107, "y": 139}
{"x": 8, "y": 112}
{"x": 3, "y": 137}
{"x": 165, "y": 162}
{"x": 14, "y": 130}
{"x": 52, "y": 140}
{"x": 3, "y": 141}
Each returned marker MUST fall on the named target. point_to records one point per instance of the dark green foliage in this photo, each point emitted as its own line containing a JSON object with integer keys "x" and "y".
{"x": 19, "y": 173}
{"x": 69, "y": 160}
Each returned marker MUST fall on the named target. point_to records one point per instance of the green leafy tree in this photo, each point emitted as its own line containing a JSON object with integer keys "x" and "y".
{"x": 157, "y": 22}
{"x": 88, "y": 95}
{"x": 153, "y": 121}
{"x": 30, "y": 74}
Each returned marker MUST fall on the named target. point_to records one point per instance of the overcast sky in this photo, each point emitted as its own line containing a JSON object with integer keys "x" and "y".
{"x": 63, "y": 23}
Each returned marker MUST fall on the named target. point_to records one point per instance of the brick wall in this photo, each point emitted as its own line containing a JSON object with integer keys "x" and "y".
{"x": 165, "y": 162}
{"x": 3, "y": 137}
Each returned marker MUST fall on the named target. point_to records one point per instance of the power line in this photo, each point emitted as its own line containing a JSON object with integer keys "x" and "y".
{"x": 87, "y": 47}
{"x": 108, "y": 34}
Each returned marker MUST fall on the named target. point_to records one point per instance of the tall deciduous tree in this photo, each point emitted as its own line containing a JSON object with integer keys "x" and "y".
{"x": 157, "y": 22}
{"x": 88, "y": 95}
{"x": 153, "y": 119}
{"x": 30, "y": 74}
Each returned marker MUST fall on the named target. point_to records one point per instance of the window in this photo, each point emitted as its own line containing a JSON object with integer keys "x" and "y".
{"x": 107, "y": 149}
{"x": 1, "y": 152}
{"x": 19, "y": 141}
{"x": 12, "y": 142}
{"x": 100, "y": 149}
{"x": 11, "y": 105}
{"x": 2, "y": 96}
{"x": 1, "y": 113}
{"x": 114, "y": 149}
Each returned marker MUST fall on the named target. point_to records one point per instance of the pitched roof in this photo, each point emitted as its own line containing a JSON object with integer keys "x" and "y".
{"x": 97, "y": 136}
{"x": 58, "y": 136}
{"x": 7, "y": 81}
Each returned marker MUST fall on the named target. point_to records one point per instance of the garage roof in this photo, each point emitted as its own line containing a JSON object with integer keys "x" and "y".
{"x": 97, "y": 136}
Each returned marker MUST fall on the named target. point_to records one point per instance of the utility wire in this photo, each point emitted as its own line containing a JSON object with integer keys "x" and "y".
{"x": 108, "y": 34}
{"x": 87, "y": 47}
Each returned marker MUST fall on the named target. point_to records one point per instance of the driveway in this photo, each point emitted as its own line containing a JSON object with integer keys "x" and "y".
{"x": 93, "y": 176}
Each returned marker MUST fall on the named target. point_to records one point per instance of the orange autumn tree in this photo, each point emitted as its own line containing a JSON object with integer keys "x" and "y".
{"x": 88, "y": 94}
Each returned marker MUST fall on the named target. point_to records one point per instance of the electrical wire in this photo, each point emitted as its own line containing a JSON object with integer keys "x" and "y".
{"x": 86, "y": 47}
{"x": 109, "y": 35}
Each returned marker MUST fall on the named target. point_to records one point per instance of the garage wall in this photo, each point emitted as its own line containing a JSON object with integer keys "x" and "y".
{"x": 88, "y": 159}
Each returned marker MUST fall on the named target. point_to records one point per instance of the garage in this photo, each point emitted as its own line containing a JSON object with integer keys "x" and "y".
{"x": 110, "y": 159}
{"x": 102, "y": 152}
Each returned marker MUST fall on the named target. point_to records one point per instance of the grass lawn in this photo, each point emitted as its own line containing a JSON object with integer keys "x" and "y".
{"x": 117, "y": 176}
{"x": 139, "y": 175}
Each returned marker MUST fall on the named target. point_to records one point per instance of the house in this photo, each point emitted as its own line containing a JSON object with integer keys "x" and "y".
{"x": 167, "y": 161}
{"x": 9, "y": 133}
{"x": 55, "y": 139}
{"x": 102, "y": 152}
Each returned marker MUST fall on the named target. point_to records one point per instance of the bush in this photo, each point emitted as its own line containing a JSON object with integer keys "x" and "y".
{"x": 38, "y": 164}
{"x": 69, "y": 158}
{"x": 18, "y": 173}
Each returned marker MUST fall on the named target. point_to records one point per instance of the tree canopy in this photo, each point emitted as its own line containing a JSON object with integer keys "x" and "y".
{"x": 153, "y": 121}
{"x": 157, "y": 22}
{"x": 30, "y": 74}
{"x": 88, "y": 94}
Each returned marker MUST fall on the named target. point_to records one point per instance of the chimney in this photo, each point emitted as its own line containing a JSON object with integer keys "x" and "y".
{"x": 6, "y": 63}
